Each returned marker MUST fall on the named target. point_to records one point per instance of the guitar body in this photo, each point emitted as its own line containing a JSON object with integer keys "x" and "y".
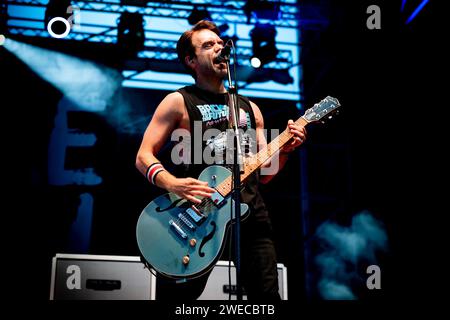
{"x": 165, "y": 238}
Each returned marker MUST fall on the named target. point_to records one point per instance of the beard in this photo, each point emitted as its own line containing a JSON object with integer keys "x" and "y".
{"x": 218, "y": 70}
{"x": 222, "y": 70}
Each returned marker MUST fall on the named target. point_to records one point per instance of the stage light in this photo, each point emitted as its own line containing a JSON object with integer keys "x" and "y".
{"x": 198, "y": 15}
{"x": 268, "y": 10}
{"x": 255, "y": 62}
{"x": 416, "y": 11}
{"x": 2, "y": 39}
{"x": 130, "y": 33}
{"x": 263, "y": 41}
{"x": 57, "y": 10}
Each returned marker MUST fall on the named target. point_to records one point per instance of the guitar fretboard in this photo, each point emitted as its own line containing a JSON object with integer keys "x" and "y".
{"x": 253, "y": 163}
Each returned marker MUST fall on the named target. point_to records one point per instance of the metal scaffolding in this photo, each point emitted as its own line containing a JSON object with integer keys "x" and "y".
{"x": 159, "y": 50}
{"x": 230, "y": 13}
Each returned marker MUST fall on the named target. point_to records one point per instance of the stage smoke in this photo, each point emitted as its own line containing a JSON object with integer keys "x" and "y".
{"x": 345, "y": 251}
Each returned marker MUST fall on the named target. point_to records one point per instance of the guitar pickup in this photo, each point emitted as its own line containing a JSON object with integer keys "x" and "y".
{"x": 195, "y": 214}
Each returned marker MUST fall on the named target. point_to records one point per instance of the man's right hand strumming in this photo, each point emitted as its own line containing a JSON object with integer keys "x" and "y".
{"x": 189, "y": 188}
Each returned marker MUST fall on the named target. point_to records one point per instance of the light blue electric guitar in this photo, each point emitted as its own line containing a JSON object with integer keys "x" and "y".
{"x": 181, "y": 240}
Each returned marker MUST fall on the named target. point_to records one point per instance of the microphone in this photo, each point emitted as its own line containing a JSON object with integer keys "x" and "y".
{"x": 224, "y": 54}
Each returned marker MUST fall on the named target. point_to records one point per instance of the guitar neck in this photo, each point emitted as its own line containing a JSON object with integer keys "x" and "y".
{"x": 255, "y": 162}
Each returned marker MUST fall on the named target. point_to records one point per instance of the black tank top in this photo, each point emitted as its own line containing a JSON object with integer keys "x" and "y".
{"x": 209, "y": 111}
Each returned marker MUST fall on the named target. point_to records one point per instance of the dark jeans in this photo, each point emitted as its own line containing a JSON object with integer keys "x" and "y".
{"x": 258, "y": 272}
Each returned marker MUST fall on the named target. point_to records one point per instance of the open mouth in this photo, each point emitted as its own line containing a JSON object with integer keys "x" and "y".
{"x": 220, "y": 64}
{"x": 219, "y": 60}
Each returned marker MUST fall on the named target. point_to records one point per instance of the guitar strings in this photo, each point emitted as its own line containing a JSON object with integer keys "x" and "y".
{"x": 205, "y": 204}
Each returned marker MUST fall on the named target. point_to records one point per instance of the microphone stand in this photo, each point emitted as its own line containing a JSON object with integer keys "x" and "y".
{"x": 238, "y": 168}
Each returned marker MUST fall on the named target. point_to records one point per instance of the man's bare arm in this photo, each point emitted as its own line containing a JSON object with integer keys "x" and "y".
{"x": 165, "y": 120}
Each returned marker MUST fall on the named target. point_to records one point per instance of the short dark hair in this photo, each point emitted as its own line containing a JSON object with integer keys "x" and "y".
{"x": 184, "y": 44}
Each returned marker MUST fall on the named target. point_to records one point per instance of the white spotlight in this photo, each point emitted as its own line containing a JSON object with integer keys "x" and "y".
{"x": 58, "y": 36}
{"x": 255, "y": 62}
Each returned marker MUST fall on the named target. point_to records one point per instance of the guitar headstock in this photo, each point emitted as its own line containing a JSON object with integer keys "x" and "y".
{"x": 325, "y": 109}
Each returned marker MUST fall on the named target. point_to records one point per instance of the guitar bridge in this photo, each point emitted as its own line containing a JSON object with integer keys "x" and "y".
{"x": 178, "y": 229}
{"x": 186, "y": 221}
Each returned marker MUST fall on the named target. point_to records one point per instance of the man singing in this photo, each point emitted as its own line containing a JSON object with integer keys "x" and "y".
{"x": 205, "y": 104}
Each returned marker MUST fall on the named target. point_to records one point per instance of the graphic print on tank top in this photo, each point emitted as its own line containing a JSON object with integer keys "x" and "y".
{"x": 214, "y": 115}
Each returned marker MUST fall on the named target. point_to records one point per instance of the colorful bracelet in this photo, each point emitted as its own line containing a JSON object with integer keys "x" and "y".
{"x": 153, "y": 170}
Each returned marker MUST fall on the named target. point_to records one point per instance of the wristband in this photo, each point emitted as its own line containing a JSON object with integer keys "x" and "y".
{"x": 153, "y": 170}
